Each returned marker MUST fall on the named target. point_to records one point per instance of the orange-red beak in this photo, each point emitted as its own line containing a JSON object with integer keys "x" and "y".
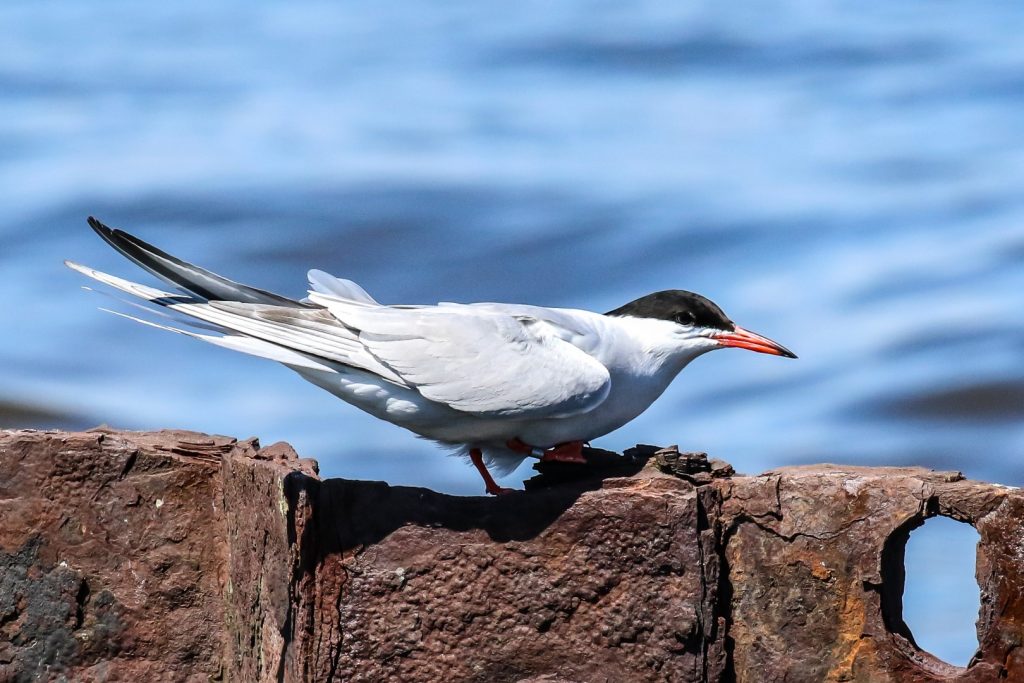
{"x": 745, "y": 339}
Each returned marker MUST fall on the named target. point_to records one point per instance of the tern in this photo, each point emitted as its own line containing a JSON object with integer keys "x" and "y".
{"x": 496, "y": 382}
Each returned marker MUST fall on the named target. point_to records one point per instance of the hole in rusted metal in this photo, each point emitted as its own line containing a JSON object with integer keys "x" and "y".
{"x": 941, "y": 597}
{"x": 930, "y": 594}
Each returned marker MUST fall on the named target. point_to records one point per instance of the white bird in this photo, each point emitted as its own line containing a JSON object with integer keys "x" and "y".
{"x": 498, "y": 382}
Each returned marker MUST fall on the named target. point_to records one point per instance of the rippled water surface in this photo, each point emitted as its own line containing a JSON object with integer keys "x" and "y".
{"x": 844, "y": 178}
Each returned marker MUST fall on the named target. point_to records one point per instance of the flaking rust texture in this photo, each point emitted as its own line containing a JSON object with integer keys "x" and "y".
{"x": 174, "y": 556}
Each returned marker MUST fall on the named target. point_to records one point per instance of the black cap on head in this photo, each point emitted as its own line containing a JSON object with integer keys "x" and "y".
{"x": 679, "y": 306}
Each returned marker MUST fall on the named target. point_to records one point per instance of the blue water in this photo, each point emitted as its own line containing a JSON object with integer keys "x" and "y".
{"x": 843, "y": 178}
{"x": 940, "y": 597}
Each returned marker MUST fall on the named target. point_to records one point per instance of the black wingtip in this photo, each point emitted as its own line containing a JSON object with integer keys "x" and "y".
{"x": 185, "y": 275}
{"x": 96, "y": 225}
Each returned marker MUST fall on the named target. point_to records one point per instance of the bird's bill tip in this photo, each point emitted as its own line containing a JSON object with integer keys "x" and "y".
{"x": 745, "y": 339}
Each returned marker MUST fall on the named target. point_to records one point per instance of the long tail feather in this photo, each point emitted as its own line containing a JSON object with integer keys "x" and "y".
{"x": 249, "y": 345}
{"x": 165, "y": 313}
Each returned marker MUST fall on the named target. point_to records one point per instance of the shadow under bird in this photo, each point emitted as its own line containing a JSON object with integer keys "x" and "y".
{"x": 497, "y": 382}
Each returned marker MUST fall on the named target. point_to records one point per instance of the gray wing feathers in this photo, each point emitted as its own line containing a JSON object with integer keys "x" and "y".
{"x": 313, "y": 331}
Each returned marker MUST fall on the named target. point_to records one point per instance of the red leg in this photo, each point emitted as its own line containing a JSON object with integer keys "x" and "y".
{"x": 492, "y": 486}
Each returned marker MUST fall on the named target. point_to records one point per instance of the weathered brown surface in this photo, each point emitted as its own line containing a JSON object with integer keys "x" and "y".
{"x": 588, "y": 585}
{"x": 110, "y": 557}
{"x": 815, "y": 564}
{"x": 181, "y": 557}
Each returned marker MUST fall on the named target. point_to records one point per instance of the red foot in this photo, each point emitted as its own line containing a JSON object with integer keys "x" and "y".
{"x": 570, "y": 451}
{"x": 491, "y": 486}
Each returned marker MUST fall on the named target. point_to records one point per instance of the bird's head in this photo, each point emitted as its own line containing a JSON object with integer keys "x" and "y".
{"x": 697, "y": 324}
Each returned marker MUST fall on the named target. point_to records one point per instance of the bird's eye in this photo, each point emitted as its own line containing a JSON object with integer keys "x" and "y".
{"x": 686, "y": 318}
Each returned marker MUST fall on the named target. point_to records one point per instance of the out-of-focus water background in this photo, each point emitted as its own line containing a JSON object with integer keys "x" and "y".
{"x": 844, "y": 178}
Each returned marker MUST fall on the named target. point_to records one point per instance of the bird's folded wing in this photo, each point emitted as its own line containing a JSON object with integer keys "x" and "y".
{"x": 480, "y": 362}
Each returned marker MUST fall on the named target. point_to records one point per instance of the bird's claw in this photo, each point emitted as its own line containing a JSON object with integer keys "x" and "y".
{"x": 491, "y": 486}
